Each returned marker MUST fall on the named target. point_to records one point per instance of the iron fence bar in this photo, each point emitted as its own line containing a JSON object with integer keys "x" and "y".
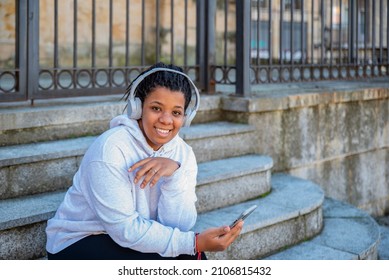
{"x": 93, "y": 55}
{"x": 312, "y": 29}
{"x": 381, "y": 30}
{"x": 243, "y": 47}
{"x": 158, "y": 31}
{"x": 365, "y": 27}
{"x": 322, "y": 36}
{"x": 291, "y": 33}
{"x": 258, "y": 59}
{"x": 373, "y": 33}
{"x": 387, "y": 35}
{"x": 186, "y": 33}
{"x": 143, "y": 34}
{"x": 56, "y": 44}
{"x": 270, "y": 30}
{"x": 356, "y": 34}
{"x": 340, "y": 32}
{"x": 302, "y": 33}
{"x": 21, "y": 50}
{"x": 281, "y": 30}
{"x": 225, "y": 32}
{"x": 75, "y": 38}
{"x": 127, "y": 49}
{"x": 172, "y": 31}
{"x": 331, "y": 30}
{"x": 33, "y": 49}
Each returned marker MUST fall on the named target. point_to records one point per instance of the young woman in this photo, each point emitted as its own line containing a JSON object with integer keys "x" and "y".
{"x": 133, "y": 196}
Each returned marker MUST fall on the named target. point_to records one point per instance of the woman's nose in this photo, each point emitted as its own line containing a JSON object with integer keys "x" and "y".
{"x": 166, "y": 118}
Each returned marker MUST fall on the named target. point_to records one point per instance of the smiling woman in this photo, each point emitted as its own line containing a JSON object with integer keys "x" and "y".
{"x": 133, "y": 196}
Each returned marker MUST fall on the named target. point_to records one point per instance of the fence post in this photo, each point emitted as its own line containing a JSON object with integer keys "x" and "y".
{"x": 243, "y": 21}
{"x": 205, "y": 50}
{"x": 33, "y": 49}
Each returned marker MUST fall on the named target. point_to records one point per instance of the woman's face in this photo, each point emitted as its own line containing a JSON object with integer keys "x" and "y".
{"x": 162, "y": 116}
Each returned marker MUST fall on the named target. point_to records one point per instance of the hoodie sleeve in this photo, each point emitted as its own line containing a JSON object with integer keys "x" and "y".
{"x": 176, "y": 207}
{"x": 108, "y": 192}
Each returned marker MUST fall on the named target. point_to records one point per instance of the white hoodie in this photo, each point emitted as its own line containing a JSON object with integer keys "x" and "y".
{"x": 104, "y": 198}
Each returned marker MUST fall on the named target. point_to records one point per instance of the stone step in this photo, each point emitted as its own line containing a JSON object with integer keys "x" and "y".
{"x": 218, "y": 140}
{"x": 348, "y": 234}
{"x": 23, "y": 219}
{"x": 228, "y": 181}
{"x": 50, "y": 166}
{"x": 50, "y": 120}
{"x": 23, "y": 223}
{"x": 291, "y": 213}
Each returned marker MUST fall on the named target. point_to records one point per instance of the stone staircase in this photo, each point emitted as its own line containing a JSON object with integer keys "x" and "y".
{"x": 41, "y": 148}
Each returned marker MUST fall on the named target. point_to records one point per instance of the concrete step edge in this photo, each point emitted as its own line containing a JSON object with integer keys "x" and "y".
{"x": 225, "y": 169}
{"x": 290, "y": 197}
{"x": 348, "y": 233}
{"x": 33, "y": 152}
{"x": 27, "y": 210}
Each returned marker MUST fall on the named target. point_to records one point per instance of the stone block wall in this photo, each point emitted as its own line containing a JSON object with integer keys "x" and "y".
{"x": 336, "y": 138}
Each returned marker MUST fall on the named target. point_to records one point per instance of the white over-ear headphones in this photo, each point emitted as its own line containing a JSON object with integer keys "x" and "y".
{"x": 134, "y": 108}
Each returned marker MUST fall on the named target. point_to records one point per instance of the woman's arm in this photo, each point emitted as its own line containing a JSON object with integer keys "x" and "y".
{"x": 176, "y": 206}
{"x": 109, "y": 193}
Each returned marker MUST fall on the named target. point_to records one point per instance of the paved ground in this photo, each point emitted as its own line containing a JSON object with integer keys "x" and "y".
{"x": 383, "y": 250}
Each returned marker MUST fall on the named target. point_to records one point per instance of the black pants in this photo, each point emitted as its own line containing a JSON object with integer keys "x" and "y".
{"x": 102, "y": 247}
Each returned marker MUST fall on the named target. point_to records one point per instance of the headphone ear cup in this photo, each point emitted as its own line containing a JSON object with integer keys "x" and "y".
{"x": 134, "y": 108}
{"x": 189, "y": 117}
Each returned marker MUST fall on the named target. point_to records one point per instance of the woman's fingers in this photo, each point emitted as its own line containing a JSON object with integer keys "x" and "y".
{"x": 152, "y": 169}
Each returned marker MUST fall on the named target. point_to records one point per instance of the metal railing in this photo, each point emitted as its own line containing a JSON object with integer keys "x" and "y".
{"x": 101, "y": 45}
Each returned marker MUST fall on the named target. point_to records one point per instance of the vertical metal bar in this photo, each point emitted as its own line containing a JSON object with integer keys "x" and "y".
{"x": 93, "y": 62}
{"x": 143, "y": 35}
{"x": 258, "y": 61}
{"x": 243, "y": 19}
{"x": 387, "y": 35}
{"x": 357, "y": 32}
{"x": 373, "y": 35}
{"x": 312, "y": 30}
{"x": 381, "y": 30}
{"x": 128, "y": 33}
{"x": 55, "y": 58}
{"x": 110, "y": 46}
{"x": 365, "y": 39}
{"x": 225, "y": 31}
{"x": 349, "y": 34}
{"x": 21, "y": 47}
{"x": 33, "y": 49}
{"x": 74, "y": 40}
{"x": 302, "y": 32}
{"x": 186, "y": 34}
{"x": 322, "y": 33}
{"x": 331, "y": 30}
{"x": 172, "y": 31}
{"x": 340, "y": 32}
{"x": 157, "y": 32}
{"x": 205, "y": 50}
{"x": 281, "y": 31}
{"x": 270, "y": 30}
{"x": 291, "y": 32}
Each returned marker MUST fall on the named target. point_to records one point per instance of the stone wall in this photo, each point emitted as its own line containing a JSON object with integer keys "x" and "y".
{"x": 336, "y": 138}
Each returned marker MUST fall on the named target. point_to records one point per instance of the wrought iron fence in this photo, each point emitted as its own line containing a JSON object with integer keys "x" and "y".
{"x": 54, "y": 48}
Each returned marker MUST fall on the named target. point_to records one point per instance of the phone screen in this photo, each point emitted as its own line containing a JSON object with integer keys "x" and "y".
{"x": 244, "y": 215}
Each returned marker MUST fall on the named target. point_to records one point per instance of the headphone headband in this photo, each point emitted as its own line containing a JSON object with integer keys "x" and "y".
{"x": 134, "y": 108}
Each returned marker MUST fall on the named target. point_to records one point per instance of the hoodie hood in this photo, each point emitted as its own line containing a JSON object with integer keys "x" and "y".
{"x": 133, "y": 126}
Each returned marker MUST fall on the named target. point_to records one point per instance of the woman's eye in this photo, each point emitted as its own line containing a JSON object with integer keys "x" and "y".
{"x": 177, "y": 113}
{"x": 156, "y": 108}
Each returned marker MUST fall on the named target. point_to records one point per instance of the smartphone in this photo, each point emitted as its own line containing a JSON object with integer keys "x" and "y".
{"x": 244, "y": 215}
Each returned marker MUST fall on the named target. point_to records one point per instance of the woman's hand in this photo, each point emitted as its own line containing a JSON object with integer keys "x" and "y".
{"x": 153, "y": 169}
{"x": 218, "y": 239}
